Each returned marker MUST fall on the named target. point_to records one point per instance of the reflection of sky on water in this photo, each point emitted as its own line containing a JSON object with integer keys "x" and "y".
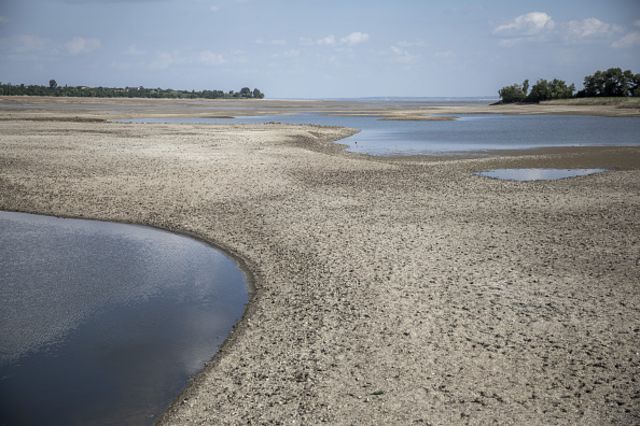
{"x": 467, "y": 133}
{"x": 79, "y": 267}
{"x": 537, "y": 174}
{"x": 107, "y": 320}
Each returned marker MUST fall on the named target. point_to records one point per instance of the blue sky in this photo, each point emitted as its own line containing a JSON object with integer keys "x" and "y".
{"x": 316, "y": 48}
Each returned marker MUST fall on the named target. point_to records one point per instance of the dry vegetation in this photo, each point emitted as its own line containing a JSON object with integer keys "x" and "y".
{"x": 617, "y": 102}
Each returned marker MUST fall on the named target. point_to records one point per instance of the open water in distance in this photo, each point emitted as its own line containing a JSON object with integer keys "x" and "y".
{"x": 469, "y": 133}
{"x": 104, "y": 323}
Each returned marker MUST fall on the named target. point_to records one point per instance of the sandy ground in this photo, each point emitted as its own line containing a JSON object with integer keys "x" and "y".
{"x": 387, "y": 291}
{"x": 34, "y": 108}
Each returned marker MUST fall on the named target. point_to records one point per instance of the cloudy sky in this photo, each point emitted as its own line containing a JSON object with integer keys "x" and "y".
{"x": 316, "y": 48}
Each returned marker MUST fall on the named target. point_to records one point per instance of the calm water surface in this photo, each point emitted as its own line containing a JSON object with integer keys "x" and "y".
{"x": 469, "y": 133}
{"x": 523, "y": 175}
{"x": 103, "y": 323}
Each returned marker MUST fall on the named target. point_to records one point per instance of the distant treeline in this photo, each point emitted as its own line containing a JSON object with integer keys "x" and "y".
{"x": 611, "y": 83}
{"x": 123, "y": 92}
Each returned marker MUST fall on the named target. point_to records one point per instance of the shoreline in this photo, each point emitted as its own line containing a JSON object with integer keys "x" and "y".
{"x": 369, "y": 277}
{"x": 251, "y": 281}
{"x": 123, "y": 108}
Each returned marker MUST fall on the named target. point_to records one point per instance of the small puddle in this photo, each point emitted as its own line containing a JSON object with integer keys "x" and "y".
{"x": 104, "y": 323}
{"x": 524, "y": 175}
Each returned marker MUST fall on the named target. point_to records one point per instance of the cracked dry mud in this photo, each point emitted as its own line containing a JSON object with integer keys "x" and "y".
{"x": 386, "y": 291}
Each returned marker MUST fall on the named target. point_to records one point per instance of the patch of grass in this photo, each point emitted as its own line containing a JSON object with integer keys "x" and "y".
{"x": 618, "y": 102}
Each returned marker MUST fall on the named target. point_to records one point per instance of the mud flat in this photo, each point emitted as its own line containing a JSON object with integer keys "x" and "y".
{"x": 388, "y": 291}
{"x": 97, "y": 109}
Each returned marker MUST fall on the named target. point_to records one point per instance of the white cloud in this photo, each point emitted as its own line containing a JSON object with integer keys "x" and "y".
{"x": 120, "y": 66}
{"x": 211, "y": 58}
{"x": 530, "y": 24}
{"x": 213, "y": 8}
{"x": 510, "y": 42}
{"x": 352, "y": 39}
{"x": 416, "y": 43}
{"x": 629, "y": 40}
{"x": 28, "y": 47}
{"x": 329, "y": 40}
{"x": 402, "y": 56}
{"x": 163, "y": 60}
{"x": 445, "y": 54}
{"x": 276, "y": 42}
{"x": 331, "y": 60}
{"x": 539, "y": 26}
{"x": 589, "y": 28}
{"x": 287, "y": 54}
{"x": 82, "y": 45}
{"x": 237, "y": 56}
{"x": 133, "y": 50}
{"x": 637, "y": 23}
{"x": 29, "y": 42}
{"x": 355, "y": 38}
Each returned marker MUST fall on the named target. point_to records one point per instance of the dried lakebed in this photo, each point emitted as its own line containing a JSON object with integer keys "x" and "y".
{"x": 104, "y": 323}
{"x": 389, "y": 291}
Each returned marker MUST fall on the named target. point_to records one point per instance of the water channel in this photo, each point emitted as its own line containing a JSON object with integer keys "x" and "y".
{"x": 467, "y": 133}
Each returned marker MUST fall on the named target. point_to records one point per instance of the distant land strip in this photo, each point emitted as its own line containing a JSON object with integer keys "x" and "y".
{"x": 53, "y": 89}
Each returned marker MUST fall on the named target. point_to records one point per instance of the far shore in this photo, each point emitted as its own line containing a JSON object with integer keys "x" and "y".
{"x": 387, "y": 290}
{"x": 118, "y": 108}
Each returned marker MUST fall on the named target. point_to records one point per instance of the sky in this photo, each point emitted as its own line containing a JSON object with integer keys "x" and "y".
{"x": 316, "y": 48}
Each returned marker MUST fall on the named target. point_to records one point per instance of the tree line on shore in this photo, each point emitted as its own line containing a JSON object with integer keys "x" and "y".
{"x": 610, "y": 83}
{"x": 53, "y": 89}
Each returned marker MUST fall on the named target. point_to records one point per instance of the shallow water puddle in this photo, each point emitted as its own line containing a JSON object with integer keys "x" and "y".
{"x": 523, "y": 175}
{"x": 104, "y": 323}
{"x": 468, "y": 133}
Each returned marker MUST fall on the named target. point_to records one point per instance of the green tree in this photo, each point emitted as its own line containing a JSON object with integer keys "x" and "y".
{"x": 257, "y": 94}
{"x": 611, "y": 82}
{"x": 541, "y": 91}
{"x": 560, "y": 90}
{"x": 513, "y": 93}
{"x": 120, "y": 92}
{"x": 545, "y": 90}
{"x": 636, "y": 85}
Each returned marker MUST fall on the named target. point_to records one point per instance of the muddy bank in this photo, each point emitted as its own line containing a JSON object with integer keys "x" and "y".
{"x": 37, "y": 107}
{"x": 387, "y": 291}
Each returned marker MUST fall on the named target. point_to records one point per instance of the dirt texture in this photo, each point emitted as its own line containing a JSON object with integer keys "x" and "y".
{"x": 387, "y": 291}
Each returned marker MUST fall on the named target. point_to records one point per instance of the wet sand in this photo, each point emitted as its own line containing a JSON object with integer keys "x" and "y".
{"x": 387, "y": 291}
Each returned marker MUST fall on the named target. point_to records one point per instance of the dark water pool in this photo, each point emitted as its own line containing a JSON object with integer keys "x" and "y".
{"x": 468, "y": 133}
{"x": 523, "y": 175}
{"x": 103, "y": 323}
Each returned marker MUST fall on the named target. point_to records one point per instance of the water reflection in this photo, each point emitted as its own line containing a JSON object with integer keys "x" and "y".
{"x": 103, "y": 323}
{"x": 469, "y": 133}
{"x": 522, "y": 175}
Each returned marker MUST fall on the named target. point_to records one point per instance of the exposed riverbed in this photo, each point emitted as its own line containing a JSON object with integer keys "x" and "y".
{"x": 389, "y": 291}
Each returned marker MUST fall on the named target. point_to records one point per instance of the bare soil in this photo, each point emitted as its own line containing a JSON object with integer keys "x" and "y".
{"x": 387, "y": 291}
